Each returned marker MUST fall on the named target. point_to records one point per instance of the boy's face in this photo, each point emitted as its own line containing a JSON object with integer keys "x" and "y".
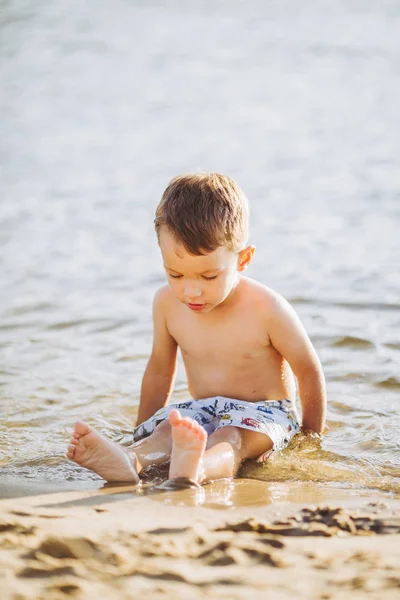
{"x": 201, "y": 282}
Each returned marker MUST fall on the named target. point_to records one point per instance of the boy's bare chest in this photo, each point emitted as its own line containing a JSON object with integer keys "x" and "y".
{"x": 208, "y": 339}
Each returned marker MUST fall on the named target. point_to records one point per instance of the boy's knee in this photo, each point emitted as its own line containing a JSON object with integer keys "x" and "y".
{"x": 230, "y": 434}
{"x": 164, "y": 428}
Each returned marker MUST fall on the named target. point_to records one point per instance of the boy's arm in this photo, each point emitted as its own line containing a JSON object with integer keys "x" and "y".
{"x": 289, "y": 337}
{"x": 160, "y": 372}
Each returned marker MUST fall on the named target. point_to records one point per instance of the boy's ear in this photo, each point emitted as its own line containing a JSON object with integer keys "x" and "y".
{"x": 245, "y": 257}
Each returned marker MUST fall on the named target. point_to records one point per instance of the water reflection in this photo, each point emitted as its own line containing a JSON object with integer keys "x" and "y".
{"x": 238, "y": 493}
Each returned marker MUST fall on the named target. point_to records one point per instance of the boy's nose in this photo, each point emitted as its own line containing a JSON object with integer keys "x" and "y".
{"x": 192, "y": 291}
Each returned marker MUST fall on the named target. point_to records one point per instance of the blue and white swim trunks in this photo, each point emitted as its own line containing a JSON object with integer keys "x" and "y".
{"x": 277, "y": 419}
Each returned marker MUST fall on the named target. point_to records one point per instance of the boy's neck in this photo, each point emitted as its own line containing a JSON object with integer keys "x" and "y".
{"x": 232, "y": 297}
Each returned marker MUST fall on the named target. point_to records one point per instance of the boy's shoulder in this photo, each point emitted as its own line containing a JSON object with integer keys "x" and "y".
{"x": 267, "y": 305}
{"x": 260, "y": 295}
{"x": 163, "y": 297}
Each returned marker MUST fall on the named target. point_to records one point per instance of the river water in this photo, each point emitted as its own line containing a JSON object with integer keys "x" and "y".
{"x": 101, "y": 104}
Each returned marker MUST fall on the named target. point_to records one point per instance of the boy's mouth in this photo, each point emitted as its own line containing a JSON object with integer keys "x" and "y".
{"x": 196, "y": 307}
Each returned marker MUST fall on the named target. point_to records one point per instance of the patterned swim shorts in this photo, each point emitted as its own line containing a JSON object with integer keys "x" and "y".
{"x": 276, "y": 418}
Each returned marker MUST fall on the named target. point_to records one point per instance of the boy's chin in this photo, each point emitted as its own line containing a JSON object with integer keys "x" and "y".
{"x": 209, "y": 307}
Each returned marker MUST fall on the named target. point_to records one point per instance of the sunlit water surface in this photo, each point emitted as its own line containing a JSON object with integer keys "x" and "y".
{"x": 101, "y": 104}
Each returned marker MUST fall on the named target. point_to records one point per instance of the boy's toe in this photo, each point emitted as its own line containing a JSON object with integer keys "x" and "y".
{"x": 174, "y": 417}
{"x": 81, "y": 429}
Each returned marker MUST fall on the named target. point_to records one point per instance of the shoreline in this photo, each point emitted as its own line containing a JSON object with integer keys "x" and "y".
{"x": 235, "y": 493}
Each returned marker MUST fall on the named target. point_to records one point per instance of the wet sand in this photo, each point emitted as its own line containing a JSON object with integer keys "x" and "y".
{"x": 10, "y": 487}
{"x": 118, "y": 542}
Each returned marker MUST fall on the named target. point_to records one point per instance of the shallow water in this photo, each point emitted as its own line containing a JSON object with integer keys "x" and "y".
{"x": 100, "y": 107}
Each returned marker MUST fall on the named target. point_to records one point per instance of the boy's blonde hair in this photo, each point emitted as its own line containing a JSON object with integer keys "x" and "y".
{"x": 204, "y": 211}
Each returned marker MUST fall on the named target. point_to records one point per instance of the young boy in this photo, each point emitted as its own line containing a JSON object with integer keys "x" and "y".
{"x": 240, "y": 343}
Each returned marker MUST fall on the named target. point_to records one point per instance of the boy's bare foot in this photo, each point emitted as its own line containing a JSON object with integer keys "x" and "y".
{"x": 189, "y": 442}
{"x": 93, "y": 451}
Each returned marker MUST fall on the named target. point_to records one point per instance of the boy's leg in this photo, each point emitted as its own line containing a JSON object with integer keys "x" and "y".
{"x": 93, "y": 451}
{"x": 226, "y": 449}
{"x": 154, "y": 449}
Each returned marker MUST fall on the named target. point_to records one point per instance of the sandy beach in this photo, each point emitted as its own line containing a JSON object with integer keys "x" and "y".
{"x": 118, "y": 542}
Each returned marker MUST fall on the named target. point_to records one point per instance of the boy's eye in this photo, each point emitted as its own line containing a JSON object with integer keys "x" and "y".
{"x": 203, "y": 277}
